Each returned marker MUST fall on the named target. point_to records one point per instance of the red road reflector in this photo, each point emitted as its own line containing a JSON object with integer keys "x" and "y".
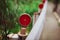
{"x": 43, "y": 1}
{"x": 41, "y": 6}
{"x": 24, "y": 20}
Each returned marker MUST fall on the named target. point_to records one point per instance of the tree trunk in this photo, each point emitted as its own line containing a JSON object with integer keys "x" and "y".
{"x": 56, "y": 2}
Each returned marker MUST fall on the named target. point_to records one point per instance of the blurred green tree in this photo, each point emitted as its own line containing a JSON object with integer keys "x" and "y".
{"x": 10, "y": 10}
{"x": 7, "y": 19}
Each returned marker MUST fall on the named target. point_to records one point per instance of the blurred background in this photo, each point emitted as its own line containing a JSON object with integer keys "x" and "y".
{"x": 51, "y": 29}
{"x": 10, "y": 11}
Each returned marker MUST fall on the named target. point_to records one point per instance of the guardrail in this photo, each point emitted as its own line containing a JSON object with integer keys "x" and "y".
{"x": 36, "y": 31}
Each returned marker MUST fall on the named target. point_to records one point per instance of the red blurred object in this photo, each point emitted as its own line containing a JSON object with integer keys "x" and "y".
{"x": 24, "y": 20}
{"x": 41, "y": 6}
{"x": 43, "y": 1}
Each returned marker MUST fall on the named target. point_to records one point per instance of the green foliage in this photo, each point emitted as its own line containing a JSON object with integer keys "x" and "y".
{"x": 29, "y": 7}
{"x": 59, "y": 24}
{"x": 19, "y": 7}
{"x": 10, "y": 10}
{"x": 7, "y": 19}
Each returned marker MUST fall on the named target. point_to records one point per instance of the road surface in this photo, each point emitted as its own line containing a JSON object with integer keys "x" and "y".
{"x": 51, "y": 29}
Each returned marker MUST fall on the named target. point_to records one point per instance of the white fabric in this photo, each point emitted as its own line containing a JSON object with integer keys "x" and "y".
{"x": 38, "y": 26}
{"x": 15, "y": 36}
